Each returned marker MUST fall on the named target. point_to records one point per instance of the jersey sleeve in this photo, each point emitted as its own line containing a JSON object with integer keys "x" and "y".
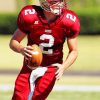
{"x": 72, "y": 25}
{"x": 75, "y": 29}
{"x": 25, "y": 19}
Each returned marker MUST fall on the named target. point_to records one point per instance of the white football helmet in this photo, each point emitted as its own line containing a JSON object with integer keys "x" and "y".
{"x": 54, "y": 6}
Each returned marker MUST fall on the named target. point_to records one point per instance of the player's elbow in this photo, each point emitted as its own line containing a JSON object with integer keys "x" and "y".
{"x": 74, "y": 53}
{"x": 12, "y": 44}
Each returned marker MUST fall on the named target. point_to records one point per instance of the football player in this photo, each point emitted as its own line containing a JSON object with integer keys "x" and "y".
{"x": 49, "y": 26}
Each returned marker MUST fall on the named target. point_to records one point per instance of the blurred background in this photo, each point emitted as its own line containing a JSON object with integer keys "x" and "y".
{"x": 82, "y": 80}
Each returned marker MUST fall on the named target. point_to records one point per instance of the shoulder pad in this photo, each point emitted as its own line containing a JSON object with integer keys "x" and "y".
{"x": 70, "y": 17}
{"x": 72, "y": 23}
{"x": 27, "y": 14}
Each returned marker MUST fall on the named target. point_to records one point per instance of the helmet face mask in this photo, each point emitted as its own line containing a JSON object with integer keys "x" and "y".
{"x": 53, "y": 6}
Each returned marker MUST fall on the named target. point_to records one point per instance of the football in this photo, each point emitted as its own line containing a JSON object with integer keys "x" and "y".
{"x": 37, "y": 56}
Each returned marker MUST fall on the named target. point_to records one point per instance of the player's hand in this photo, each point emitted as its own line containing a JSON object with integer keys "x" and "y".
{"x": 27, "y": 52}
{"x": 60, "y": 70}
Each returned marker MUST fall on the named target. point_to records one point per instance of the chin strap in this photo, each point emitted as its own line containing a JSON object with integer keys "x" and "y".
{"x": 38, "y": 72}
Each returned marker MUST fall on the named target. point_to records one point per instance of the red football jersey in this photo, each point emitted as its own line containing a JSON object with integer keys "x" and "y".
{"x": 49, "y": 36}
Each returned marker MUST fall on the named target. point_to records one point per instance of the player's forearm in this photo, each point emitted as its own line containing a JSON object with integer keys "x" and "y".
{"x": 15, "y": 46}
{"x": 70, "y": 59}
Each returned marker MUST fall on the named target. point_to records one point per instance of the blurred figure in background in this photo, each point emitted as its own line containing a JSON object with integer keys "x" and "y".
{"x": 48, "y": 26}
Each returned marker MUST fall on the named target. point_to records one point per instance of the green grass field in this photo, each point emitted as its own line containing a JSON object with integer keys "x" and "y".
{"x": 74, "y": 96}
{"x": 64, "y": 95}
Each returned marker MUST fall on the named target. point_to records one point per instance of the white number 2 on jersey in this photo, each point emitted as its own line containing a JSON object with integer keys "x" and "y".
{"x": 29, "y": 11}
{"x": 71, "y": 17}
{"x": 49, "y": 44}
